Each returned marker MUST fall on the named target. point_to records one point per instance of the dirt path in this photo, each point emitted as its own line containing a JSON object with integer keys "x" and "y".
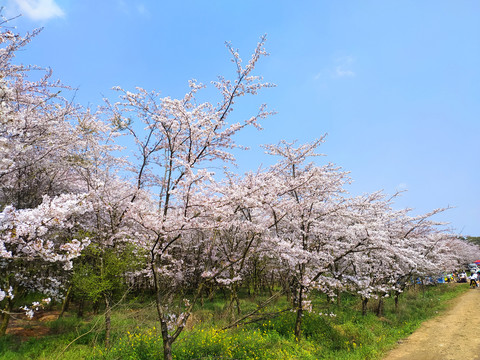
{"x": 451, "y": 336}
{"x": 25, "y": 329}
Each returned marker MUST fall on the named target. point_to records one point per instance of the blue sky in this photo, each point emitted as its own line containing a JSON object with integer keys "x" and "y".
{"x": 396, "y": 85}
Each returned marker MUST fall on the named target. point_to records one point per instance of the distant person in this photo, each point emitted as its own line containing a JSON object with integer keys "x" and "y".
{"x": 473, "y": 279}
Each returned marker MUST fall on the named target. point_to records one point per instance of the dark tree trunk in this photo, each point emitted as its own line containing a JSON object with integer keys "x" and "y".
{"x": 364, "y": 306}
{"x": 298, "y": 320}
{"x": 81, "y": 306}
{"x": 6, "y": 317}
{"x": 66, "y": 302}
{"x": 167, "y": 350}
{"x": 380, "y": 307}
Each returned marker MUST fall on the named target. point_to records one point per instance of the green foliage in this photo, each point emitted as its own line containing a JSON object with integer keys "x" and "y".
{"x": 473, "y": 239}
{"x": 101, "y": 271}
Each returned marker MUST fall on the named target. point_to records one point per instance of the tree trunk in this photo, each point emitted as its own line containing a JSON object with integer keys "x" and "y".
{"x": 6, "y": 317}
{"x": 364, "y": 306}
{"x": 234, "y": 301}
{"x": 287, "y": 291}
{"x": 211, "y": 293}
{"x": 81, "y": 305}
{"x": 298, "y": 320}
{"x": 255, "y": 280}
{"x": 108, "y": 325}
{"x": 380, "y": 307}
{"x": 396, "y": 301}
{"x": 237, "y": 302}
{"x": 166, "y": 338}
{"x": 167, "y": 350}
{"x": 66, "y": 302}
{"x": 271, "y": 288}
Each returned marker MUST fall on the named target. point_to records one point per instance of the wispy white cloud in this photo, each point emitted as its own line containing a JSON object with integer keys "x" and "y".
{"x": 122, "y": 6}
{"x": 344, "y": 67}
{"x": 341, "y": 72}
{"x": 39, "y": 9}
{"x": 132, "y": 8}
{"x": 142, "y": 9}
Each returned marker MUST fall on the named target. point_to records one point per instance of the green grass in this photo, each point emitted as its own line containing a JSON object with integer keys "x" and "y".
{"x": 348, "y": 335}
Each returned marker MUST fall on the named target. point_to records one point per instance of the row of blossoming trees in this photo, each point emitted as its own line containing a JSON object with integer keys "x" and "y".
{"x": 187, "y": 232}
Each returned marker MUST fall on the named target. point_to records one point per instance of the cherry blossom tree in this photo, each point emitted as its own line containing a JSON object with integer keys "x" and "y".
{"x": 31, "y": 239}
{"x": 402, "y": 249}
{"x": 241, "y": 224}
{"x": 179, "y": 138}
{"x": 307, "y": 218}
{"x": 46, "y": 144}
